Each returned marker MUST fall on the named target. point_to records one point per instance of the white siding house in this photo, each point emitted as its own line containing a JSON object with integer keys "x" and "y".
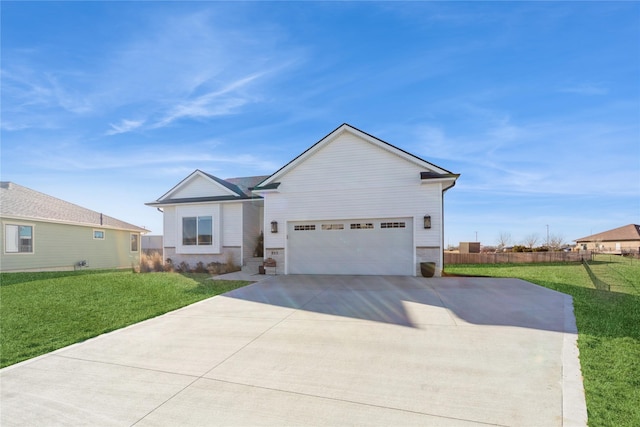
{"x": 350, "y": 204}
{"x": 354, "y": 204}
{"x": 207, "y": 219}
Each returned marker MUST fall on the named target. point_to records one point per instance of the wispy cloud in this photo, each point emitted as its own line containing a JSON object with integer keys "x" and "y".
{"x": 124, "y": 126}
{"x": 585, "y": 89}
{"x": 215, "y": 103}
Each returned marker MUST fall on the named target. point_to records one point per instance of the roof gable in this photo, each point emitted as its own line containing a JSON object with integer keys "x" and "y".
{"x": 17, "y": 201}
{"x": 339, "y": 135}
{"x": 200, "y": 184}
{"x": 626, "y": 232}
{"x": 201, "y": 187}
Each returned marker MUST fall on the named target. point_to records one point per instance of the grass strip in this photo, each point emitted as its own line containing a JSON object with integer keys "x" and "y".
{"x": 41, "y": 312}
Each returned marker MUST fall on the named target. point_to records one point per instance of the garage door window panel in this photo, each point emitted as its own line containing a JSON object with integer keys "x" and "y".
{"x": 333, "y": 226}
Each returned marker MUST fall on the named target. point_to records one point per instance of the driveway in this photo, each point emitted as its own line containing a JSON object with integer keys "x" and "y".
{"x": 321, "y": 350}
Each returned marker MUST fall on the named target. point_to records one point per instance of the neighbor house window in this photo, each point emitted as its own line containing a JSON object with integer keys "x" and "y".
{"x": 197, "y": 231}
{"x": 18, "y": 238}
{"x": 98, "y": 234}
{"x": 135, "y": 244}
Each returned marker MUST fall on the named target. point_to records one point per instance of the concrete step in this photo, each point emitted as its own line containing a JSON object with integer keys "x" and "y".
{"x": 251, "y": 265}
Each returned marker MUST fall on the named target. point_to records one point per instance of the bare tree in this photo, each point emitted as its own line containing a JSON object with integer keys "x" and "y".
{"x": 556, "y": 241}
{"x": 531, "y": 240}
{"x": 504, "y": 238}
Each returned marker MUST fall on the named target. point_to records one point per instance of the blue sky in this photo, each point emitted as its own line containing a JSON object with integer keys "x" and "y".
{"x": 536, "y": 104}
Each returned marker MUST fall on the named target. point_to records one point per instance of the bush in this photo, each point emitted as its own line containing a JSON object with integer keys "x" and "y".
{"x": 183, "y": 267}
{"x": 150, "y": 263}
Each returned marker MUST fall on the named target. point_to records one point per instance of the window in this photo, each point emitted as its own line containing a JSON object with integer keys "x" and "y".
{"x": 333, "y": 226}
{"x": 18, "y": 238}
{"x": 197, "y": 231}
{"x": 98, "y": 234}
{"x": 306, "y": 227}
{"x": 392, "y": 225}
{"x": 364, "y": 226}
{"x": 134, "y": 242}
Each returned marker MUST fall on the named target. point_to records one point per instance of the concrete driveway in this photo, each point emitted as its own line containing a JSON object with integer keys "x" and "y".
{"x": 321, "y": 350}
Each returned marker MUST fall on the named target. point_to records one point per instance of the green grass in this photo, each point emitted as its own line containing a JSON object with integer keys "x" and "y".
{"x": 608, "y": 331}
{"x": 41, "y": 312}
{"x": 621, "y": 274}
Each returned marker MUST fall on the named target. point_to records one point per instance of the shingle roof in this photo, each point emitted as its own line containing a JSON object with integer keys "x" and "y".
{"x": 246, "y": 183}
{"x": 626, "y": 232}
{"x": 17, "y": 201}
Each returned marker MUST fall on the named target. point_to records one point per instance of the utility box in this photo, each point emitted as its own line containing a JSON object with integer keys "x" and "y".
{"x": 469, "y": 247}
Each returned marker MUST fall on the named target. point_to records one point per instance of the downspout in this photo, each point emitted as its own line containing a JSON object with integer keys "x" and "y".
{"x": 442, "y": 233}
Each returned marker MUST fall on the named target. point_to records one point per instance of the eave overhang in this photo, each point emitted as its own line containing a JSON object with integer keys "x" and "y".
{"x": 196, "y": 200}
{"x": 448, "y": 179}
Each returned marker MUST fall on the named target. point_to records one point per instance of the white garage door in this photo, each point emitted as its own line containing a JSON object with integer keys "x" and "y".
{"x": 367, "y": 246}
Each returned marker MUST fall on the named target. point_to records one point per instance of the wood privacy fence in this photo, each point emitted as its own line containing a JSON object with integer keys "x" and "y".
{"x": 515, "y": 257}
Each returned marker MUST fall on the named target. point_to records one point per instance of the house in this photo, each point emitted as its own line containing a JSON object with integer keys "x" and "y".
{"x": 350, "y": 204}
{"x": 625, "y": 239}
{"x": 42, "y": 233}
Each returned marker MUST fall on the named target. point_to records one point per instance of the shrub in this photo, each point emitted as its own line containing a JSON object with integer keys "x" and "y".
{"x": 183, "y": 267}
{"x": 200, "y": 268}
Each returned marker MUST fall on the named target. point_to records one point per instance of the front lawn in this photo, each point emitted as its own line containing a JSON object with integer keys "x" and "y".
{"x": 41, "y": 312}
{"x": 608, "y": 331}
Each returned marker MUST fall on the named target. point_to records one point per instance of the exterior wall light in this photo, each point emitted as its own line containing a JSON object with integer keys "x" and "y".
{"x": 274, "y": 226}
{"x": 427, "y": 221}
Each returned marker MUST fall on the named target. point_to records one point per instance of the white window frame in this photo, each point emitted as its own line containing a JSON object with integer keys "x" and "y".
{"x": 212, "y": 210}
{"x": 137, "y": 242}
{"x": 18, "y": 225}
{"x": 104, "y": 234}
{"x": 197, "y": 236}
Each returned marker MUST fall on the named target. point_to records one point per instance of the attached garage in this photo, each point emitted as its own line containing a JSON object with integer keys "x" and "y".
{"x": 382, "y": 246}
{"x": 354, "y": 204}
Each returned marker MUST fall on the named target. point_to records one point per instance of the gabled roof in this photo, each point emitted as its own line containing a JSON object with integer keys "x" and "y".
{"x": 626, "y": 232}
{"x": 271, "y": 182}
{"x": 21, "y": 202}
{"x": 233, "y": 189}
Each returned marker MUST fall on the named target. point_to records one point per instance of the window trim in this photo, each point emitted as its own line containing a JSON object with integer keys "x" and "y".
{"x": 137, "y": 235}
{"x": 216, "y": 212}
{"x": 197, "y": 236}
{"x": 104, "y": 234}
{"x": 19, "y": 224}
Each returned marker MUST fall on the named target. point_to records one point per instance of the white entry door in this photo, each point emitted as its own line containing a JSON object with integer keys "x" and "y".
{"x": 363, "y": 246}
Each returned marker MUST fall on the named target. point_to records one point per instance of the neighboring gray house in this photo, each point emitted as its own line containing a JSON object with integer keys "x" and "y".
{"x": 40, "y": 232}
{"x": 350, "y": 204}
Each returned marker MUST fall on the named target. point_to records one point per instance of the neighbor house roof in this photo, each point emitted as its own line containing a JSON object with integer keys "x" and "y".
{"x": 627, "y": 232}
{"x": 21, "y": 202}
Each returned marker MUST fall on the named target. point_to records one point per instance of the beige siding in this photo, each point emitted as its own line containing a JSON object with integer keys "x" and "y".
{"x": 62, "y": 246}
{"x": 612, "y": 246}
